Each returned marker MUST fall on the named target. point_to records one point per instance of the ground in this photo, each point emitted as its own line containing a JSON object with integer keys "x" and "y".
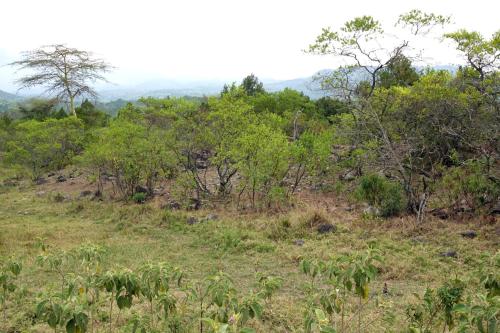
{"x": 240, "y": 244}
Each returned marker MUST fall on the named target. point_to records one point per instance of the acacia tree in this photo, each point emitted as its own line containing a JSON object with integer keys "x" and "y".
{"x": 65, "y": 72}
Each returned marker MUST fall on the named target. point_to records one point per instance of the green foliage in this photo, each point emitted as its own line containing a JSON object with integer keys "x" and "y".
{"x": 381, "y": 193}
{"x": 252, "y": 86}
{"x": 131, "y": 152}
{"x": 420, "y": 22}
{"x": 470, "y": 182}
{"x": 90, "y": 115}
{"x": 332, "y": 286}
{"x": 46, "y": 145}
{"x": 39, "y": 109}
{"x": 399, "y": 72}
{"x": 139, "y": 197}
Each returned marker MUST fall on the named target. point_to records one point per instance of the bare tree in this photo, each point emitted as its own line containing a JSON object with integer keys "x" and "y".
{"x": 65, "y": 72}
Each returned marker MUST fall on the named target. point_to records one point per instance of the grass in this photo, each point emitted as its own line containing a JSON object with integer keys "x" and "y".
{"x": 240, "y": 245}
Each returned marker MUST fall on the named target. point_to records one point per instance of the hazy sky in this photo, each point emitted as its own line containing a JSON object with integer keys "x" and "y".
{"x": 203, "y": 39}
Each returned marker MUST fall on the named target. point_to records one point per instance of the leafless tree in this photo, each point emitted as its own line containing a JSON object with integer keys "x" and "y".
{"x": 65, "y": 72}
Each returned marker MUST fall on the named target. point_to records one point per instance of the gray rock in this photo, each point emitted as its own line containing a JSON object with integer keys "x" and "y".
{"x": 299, "y": 242}
{"x": 61, "y": 179}
{"x": 140, "y": 189}
{"x": 85, "y": 193}
{"x": 191, "y": 220}
{"x": 326, "y": 228}
{"x": 495, "y": 210}
{"x": 449, "y": 254}
{"x": 211, "y": 217}
{"x": 349, "y": 208}
{"x": 471, "y": 234}
{"x": 40, "y": 193}
{"x": 370, "y": 210}
{"x": 172, "y": 205}
{"x": 440, "y": 213}
{"x": 40, "y": 181}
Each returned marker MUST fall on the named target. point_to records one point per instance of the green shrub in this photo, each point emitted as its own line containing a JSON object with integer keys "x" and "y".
{"x": 139, "y": 197}
{"x": 470, "y": 182}
{"x": 381, "y": 193}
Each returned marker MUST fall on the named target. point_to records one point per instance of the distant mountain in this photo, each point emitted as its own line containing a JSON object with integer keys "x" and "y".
{"x": 9, "y": 97}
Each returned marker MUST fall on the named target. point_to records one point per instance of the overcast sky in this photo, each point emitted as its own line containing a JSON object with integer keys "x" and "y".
{"x": 209, "y": 39}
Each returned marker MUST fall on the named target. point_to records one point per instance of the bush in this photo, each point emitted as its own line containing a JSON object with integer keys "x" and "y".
{"x": 470, "y": 182}
{"x": 139, "y": 197}
{"x": 381, "y": 193}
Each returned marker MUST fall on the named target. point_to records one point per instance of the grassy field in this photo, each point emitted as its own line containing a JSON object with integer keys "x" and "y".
{"x": 239, "y": 244}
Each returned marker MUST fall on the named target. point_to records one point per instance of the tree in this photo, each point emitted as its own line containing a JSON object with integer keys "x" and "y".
{"x": 399, "y": 72}
{"x": 481, "y": 54}
{"x": 252, "y": 85}
{"x": 45, "y": 145}
{"x": 358, "y": 43}
{"x": 38, "y": 109}
{"x": 64, "y": 71}
{"x": 91, "y": 116}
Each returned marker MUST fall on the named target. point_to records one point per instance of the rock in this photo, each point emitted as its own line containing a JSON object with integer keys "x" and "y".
{"x": 464, "y": 207}
{"x": 61, "y": 179}
{"x": 440, "y": 213}
{"x": 469, "y": 234}
{"x": 349, "y": 208}
{"x": 40, "y": 193}
{"x": 449, "y": 254}
{"x": 495, "y": 210}
{"x": 85, "y": 193}
{"x": 299, "y": 242}
{"x": 195, "y": 204}
{"x": 158, "y": 191}
{"x": 171, "y": 205}
{"x": 191, "y": 220}
{"x": 40, "y": 181}
{"x": 349, "y": 176}
{"x": 326, "y": 228}
{"x": 370, "y": 210}
{"x": 51, "y": 174}
{"x": 140, "y": 189}
{"x": 211, "y": 217}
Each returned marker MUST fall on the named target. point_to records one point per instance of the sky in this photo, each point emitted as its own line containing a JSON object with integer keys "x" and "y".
{"x": 221, "y": 40}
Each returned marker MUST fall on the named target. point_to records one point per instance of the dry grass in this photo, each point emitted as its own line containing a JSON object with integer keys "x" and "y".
{"x": 239, "y": 244}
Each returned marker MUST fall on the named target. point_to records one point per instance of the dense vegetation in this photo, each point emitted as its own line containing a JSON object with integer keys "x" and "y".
{"x": 408, "y": 143}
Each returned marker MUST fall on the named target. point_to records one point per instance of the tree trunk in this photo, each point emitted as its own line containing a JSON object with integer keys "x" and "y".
{"x": 72, "y": 106}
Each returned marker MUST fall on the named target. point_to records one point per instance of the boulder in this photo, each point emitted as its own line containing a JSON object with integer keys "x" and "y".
{"x": 325, "y": 228}
{"x": 140, "y": 189}
{"x": 85, "y": 193}
{"x": 449, "y": 254}
{"x": 191, "y": 220}
{"x": 61, "y": 179}
{"x": 440, "y": 213}
{"x": 370, "y": 210}
{"x": 210, "y": 217}
{"x": 471, "y": 234}
{"x": 299, "y": 242}
{"x": 40, "y": 181}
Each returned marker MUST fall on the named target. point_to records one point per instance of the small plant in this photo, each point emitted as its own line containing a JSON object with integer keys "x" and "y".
{"x": 435, "y": 308}
{"x": 139, "y": 197}
{"x": 334, "y": 286}
{"x": 9, "y": 272}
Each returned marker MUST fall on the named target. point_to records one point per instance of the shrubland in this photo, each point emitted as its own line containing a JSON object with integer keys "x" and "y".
{"x": 405, "y": 154}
